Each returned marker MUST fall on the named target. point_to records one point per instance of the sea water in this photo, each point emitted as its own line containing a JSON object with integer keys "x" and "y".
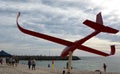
{"x": 86, "y": 63}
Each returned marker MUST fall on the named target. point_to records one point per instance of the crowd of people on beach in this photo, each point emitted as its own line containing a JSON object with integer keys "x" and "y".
{"x": 12, "y": 61}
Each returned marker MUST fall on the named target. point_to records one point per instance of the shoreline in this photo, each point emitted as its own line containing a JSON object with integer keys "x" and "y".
{"x": 23, "y": 69}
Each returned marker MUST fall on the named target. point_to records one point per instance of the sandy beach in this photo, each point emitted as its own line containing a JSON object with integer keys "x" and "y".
{"x": 23, "y": 69}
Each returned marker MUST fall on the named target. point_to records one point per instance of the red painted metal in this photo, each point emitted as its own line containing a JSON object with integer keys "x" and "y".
{"x": 71, "y": 46}
{"x": 100, "y": 27}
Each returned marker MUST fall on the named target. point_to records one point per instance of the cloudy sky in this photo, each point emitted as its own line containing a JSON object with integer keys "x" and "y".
{"x": 59, "y": 18}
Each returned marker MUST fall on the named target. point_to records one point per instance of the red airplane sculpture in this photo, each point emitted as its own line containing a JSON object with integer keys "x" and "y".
{"x": 71, "y": 46}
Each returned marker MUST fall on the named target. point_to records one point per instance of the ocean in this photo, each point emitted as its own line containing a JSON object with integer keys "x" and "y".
{"x": 86, "y": 63}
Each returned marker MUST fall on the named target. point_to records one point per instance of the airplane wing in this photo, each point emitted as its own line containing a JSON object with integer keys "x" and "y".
{"x": 88, "y": 49}
{"x": 99, "y": 27}
{"x": 91, "y": 50}
{"x": 43, "y": 36}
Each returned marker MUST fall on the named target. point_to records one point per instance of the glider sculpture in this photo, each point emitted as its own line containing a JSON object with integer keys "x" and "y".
{"x": 71, "y": 46}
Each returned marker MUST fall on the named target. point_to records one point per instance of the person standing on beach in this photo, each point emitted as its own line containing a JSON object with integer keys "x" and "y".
{"x": 33, "y": 64}
{"x": 1, "y": 60}
{"x": 67, "y": 65}
{"x": 29, "y": 63}
{"x": 104, "y": 67}
{"x": 48, "y": 65}
{"x": 13, "y": 62}
{"x": 10, "y": 61}
{"x": 16, "y": 61}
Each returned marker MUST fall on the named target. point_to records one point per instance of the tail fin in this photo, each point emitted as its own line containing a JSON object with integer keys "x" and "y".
{"x": 98, "y": 25}
{"x": 99, "y": 19}
{"x": 112, "y": 49}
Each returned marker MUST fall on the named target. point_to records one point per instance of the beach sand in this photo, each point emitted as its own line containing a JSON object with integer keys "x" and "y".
{"x": 23, "y": 69}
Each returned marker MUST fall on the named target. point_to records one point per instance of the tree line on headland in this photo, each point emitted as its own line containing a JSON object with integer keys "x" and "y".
{"x": 45, "y": 57}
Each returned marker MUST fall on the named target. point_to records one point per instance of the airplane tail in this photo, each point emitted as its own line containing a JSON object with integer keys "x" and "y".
{"x": 112, "y": 50}
{"x": 99, "y": 19}
{"x": 98, "y": 25}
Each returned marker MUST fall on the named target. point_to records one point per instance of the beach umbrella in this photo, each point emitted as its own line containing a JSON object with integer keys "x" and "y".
{"x": 4, "y": 54}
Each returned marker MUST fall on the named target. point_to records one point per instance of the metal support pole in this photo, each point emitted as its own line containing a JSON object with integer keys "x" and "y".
{"x": 69, "y": 62}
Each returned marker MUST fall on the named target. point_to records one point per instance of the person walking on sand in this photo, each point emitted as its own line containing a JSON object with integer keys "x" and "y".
{"x": 33, "y": 64}
{"x": 29, "y": 63}
{"x": 104, "y": 67}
